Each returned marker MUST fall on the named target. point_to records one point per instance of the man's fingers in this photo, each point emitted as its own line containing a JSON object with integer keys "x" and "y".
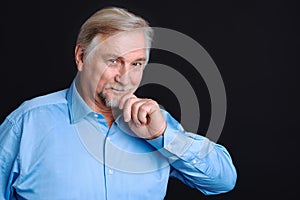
{"x": 127, "y": 105}
{"x": 138, "y": 110}
{"x": 135, "y": 109}
{"x": 124, "y": 98}
{"x": 143, "y": 112}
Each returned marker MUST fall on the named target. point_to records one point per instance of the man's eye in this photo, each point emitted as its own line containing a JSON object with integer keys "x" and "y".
{"x": 137, "y": 64}
{"x": 113, "y": 61}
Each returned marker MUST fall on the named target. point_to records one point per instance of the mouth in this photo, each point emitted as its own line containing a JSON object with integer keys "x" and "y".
{"x": 119, "y": 90}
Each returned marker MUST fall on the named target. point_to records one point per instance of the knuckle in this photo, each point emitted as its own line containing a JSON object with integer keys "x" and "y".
{"x": 130, "y": 100}
{"x": 152, "y": 102}
{"x": 143, "y": 109}
{"x": 134, "y": 108}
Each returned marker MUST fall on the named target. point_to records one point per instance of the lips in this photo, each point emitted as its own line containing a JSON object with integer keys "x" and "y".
{"x": 118, "y": 90}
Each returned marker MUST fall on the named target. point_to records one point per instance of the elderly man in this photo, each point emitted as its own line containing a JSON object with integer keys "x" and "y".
{"x": 96, "y": 139}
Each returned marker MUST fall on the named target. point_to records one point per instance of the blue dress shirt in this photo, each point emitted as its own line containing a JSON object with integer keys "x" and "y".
{"x": 56, "y": 147}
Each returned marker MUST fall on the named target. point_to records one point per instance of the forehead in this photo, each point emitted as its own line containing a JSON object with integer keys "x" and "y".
{"x": 123, "y": 43}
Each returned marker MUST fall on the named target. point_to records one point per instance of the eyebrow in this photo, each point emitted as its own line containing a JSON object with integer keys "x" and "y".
{"x": 140, "y": 59}
{"x": 105, "y": 56}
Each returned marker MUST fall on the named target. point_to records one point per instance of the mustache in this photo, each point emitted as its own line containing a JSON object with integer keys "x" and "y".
{"x": 118, "y": 87}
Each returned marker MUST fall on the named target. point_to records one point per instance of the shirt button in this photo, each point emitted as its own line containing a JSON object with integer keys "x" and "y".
{"x": 110, "y": 171}
{"x": 194, "y": 161}
{"x": 96, "y": 115}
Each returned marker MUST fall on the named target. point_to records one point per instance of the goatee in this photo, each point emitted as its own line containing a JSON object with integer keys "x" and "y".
{"x": 109, "y": 103}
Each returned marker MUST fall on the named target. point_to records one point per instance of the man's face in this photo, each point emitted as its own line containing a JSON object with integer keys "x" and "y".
{"x": 113, "y": 68}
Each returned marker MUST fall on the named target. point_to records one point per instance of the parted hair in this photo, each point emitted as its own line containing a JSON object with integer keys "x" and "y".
{"x": 109, "y": 21}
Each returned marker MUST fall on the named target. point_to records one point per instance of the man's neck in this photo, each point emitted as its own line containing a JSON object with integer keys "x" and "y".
{"x": 106, "y": 111}
{"x": 97, "y": 106}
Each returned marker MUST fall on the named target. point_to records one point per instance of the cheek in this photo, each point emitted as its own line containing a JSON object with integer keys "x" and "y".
{"x": 93, "y": 69}
{"x": 106, "y": 76}
{"x": 136, "y": 78}
{"x": 100, "y": 84}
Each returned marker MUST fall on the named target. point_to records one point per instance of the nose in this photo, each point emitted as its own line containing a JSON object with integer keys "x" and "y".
{"x": 123, "y": 75}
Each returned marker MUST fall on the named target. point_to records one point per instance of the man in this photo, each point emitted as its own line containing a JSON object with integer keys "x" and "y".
{"x": 97, "y": 140}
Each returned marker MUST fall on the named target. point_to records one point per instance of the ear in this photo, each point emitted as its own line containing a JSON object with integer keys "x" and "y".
{"x": 79, "y": 56}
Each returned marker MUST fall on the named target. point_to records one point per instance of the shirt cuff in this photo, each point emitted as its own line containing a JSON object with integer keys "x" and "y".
{"x": 174, "y": 139}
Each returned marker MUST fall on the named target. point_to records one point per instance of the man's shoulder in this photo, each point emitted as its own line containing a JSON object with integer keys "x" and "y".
{"x": 47, "y": 101}
{"x": 57, "y": 97}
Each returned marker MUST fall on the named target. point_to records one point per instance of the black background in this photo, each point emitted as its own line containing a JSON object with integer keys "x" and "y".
{"x": 255, "y": 45}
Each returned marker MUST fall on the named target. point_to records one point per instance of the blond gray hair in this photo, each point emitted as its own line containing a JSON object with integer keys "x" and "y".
{"x": 109, "y": 21}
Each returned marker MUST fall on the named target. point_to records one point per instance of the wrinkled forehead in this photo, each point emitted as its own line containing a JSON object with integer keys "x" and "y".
{"x": 121, "y": 43}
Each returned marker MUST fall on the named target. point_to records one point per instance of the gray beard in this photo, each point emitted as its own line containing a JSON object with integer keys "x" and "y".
{"x": 109, "y": 103}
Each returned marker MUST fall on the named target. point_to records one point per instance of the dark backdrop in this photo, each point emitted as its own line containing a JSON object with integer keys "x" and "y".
{"x": 254, "y": 44}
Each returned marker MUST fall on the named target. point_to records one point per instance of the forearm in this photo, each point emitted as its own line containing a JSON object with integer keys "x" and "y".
{"x": 212, "y": 174}
{"x": 197, "y": 161}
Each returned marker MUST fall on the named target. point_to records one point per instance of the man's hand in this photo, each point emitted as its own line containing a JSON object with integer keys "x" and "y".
{"x": 143, "y": 116}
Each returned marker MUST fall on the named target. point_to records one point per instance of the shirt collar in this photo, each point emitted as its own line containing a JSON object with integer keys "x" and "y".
{"x": 77, "y": 106}
{"x": 79, "y": 109}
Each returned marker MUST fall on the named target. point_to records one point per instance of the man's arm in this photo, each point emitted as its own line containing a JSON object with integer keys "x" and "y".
{"x": 9, "y": 148}
{"x": 197, "y": 161}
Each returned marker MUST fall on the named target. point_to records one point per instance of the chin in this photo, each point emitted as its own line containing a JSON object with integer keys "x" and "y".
{"x": 110, "y": 100}
{"x": 111, "y": 103}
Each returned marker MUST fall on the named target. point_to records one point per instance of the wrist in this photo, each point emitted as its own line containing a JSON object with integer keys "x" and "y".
{"x": 159, "y": 133}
